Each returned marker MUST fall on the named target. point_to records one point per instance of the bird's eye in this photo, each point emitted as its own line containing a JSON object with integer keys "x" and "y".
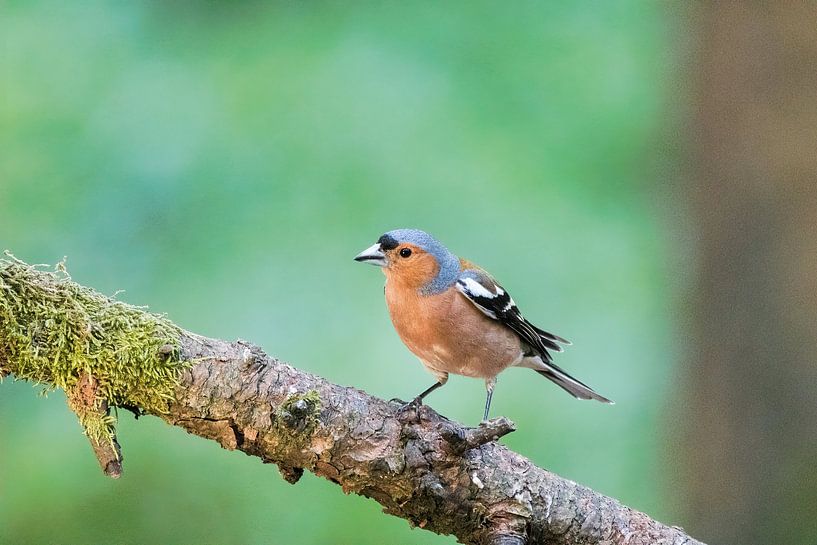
{"x": 405, "y": 252}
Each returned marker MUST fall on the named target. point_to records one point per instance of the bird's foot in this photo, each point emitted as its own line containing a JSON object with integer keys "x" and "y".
{"x": 410, "y": 408}
{"x": 413, "y": 404}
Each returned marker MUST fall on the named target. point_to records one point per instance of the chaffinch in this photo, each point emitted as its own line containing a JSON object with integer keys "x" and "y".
{"x": 457, "y": 319}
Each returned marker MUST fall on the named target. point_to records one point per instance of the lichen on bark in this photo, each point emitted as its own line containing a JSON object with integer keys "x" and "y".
{"x": 55, "y": 331}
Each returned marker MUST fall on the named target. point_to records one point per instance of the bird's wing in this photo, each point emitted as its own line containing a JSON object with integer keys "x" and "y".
{"x": 496, "y": 303}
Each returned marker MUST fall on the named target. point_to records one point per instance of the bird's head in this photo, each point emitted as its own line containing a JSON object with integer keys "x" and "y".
{"x": 414, "y": 258}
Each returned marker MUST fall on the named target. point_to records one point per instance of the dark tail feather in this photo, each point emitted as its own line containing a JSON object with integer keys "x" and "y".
{"x": 572, "y": 386}
{"x": 550, "y": 336}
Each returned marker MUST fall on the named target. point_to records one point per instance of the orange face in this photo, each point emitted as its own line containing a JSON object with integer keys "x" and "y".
{"x": 410, "y": 265}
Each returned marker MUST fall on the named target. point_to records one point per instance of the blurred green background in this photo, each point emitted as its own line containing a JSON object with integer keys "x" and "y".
{"x": 223, "y": 163}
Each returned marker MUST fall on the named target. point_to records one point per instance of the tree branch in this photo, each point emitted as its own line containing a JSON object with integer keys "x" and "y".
{"x": 418, "y": 465}
{"x": 85, "y": 401}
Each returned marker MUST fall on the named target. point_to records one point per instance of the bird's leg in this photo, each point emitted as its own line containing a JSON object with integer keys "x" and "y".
{"x": 489, "y": 385}
{"x": 417, "y": 401}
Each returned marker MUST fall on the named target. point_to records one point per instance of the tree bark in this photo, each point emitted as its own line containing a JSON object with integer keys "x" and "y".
{"x": 751, "y": 430}
{"x": 418, "y": 465}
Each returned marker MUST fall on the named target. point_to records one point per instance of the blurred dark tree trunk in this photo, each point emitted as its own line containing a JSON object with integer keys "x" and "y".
{"x": 750, "y": 451}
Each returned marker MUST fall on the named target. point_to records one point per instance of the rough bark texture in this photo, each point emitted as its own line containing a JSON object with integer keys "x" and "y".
{"x": 751, "y": 440}
{"x": 417, "y": 464}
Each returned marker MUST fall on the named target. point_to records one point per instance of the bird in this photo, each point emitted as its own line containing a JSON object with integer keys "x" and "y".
{"x": 457, "y": 319}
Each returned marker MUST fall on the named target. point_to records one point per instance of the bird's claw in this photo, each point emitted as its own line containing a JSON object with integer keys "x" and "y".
{"x": 411, "y": 406}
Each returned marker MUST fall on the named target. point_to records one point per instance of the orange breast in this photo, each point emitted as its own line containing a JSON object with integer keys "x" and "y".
{"x": 449, "y": 334}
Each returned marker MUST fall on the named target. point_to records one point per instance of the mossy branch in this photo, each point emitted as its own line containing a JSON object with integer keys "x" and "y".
{"x": 436, "y": 474}
{"x": 102, "y": 352}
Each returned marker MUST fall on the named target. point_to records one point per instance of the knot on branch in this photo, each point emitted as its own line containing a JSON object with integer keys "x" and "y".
{"x": 168, "y": 352}
{"x": 300, "y": 412}
{"x": 291, "y": 474}
{"x": 507, "y": 523}
{"x": 252, "y": 355}
{"x": 463, "y": 439}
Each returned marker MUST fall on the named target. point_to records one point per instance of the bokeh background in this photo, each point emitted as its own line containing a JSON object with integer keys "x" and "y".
{"x": 640, "y": 175}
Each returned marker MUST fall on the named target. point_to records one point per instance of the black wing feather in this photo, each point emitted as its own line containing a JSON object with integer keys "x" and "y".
{"x": 500, "y": 306}
{"x": 495, "y": 302}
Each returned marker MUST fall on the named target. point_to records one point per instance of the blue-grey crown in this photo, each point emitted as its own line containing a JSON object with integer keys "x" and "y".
{"x": 449, "y": 263}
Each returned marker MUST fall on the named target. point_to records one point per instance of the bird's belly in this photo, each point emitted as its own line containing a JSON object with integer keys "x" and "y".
{"x": 456, "y": 339}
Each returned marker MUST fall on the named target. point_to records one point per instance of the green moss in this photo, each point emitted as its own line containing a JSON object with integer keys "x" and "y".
{"x": 101, "y": 428}
{"x": 53, "y": 331}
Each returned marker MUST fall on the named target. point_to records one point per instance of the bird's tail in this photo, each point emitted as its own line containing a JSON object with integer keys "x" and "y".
{"x": 572, "y": 386}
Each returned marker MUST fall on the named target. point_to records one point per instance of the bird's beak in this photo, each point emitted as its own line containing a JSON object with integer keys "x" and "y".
{"x": 373, "y": 255}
